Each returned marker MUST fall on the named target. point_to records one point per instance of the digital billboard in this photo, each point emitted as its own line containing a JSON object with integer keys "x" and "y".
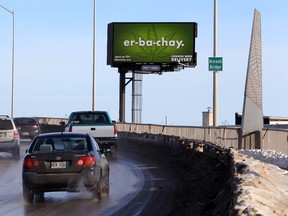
{"x": 151, "y": 46}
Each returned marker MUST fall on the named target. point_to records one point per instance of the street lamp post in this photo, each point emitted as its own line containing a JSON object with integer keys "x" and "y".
{"x": 215, "y": 74}
{"x": 94, "y": 59}
{"x": 13, "y": 39}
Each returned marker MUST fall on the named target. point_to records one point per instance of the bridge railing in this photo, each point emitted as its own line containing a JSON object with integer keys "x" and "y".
{"x": 274, "y": 139}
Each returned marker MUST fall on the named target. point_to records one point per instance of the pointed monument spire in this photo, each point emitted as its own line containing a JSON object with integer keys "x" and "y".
{"x": 252, "y": 117}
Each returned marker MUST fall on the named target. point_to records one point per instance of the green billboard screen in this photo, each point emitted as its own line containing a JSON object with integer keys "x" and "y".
{"x": 134, "y": 44}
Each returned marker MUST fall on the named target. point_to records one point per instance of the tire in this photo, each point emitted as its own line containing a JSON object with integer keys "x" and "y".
{"x": 106, "y": 180}
{"x": 106, "y": 188}
{"x": 108, "y": 155}
{"x": 28, "y": 195}
{"x": 114, "y": 151}
{"x": 40, "y": 197}
{"x": 96, "y": 193}
{"x": 16, "y": 154}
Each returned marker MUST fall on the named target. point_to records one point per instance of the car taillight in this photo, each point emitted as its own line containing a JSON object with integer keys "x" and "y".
{"x": 16, "y": 135}
{"x": 70, "y": 128}
{"x": 31, "y": 163}
{"x": 115, "y": 130}
{"x": 86, "y": 161}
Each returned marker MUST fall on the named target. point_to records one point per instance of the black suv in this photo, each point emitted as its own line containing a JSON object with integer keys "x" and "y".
{"x": 27, "y": 127}
{"x": 9, "y": 136}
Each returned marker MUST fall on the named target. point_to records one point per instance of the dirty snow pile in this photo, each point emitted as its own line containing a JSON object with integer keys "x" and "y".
{"x": 262, "y": 186}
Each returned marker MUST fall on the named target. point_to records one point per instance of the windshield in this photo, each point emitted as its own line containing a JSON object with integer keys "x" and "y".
{"x": 6, "y": 124}
{"x": 89, "y": 118}
{"x": 51, "y": 144}
{"x": 24, "y": 121}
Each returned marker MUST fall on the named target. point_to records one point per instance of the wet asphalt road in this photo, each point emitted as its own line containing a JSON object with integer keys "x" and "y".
{"x": 137, "y": 187}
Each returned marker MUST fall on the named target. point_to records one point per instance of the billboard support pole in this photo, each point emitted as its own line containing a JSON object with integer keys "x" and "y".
{"x": 137, "y": 79}
{"x": 122, "y": 96}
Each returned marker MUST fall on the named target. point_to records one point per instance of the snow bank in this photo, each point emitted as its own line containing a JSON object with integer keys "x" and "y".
{"x": 262, "y": 188}
{"x": 268, "y": 156}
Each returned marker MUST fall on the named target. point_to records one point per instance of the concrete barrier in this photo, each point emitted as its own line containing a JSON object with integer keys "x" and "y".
{"x": 204, "y": 170}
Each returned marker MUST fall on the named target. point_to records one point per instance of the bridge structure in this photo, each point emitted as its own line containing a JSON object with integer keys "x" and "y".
{"x": 270, "y": 137}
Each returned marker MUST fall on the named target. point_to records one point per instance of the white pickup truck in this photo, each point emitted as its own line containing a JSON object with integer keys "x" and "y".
{"x": 99, "y": 124}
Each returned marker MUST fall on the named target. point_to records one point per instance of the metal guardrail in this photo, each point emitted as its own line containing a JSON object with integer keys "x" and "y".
{"x": 274, "y": 139}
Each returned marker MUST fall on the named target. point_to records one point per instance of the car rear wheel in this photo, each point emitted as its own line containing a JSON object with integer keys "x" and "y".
{"x": 97, "y": 192}
{"x": 106, "y": 187}
{"x": 28, "y": 195}
{"x": 16, "y": 153}
{"x": 114, "y": 151}
{"x": 39, "y": 197}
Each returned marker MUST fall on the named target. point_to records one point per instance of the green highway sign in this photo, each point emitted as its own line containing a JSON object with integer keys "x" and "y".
{"x": 215, "y": 63}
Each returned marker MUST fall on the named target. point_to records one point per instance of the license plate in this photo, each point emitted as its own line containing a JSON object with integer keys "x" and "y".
{"x": 25, "y": 133}
{"x": 58, "y": 165}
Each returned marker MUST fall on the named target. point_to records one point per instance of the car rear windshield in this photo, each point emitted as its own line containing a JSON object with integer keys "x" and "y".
{"x": 24, "y": 121}
{"x": 51, "y": 144}
{"x": 6, "y": 124}
{"x": 90, "y": 118}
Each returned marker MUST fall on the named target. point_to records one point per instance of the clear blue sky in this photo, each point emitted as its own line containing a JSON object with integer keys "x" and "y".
{"x": 53, "y": 58}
